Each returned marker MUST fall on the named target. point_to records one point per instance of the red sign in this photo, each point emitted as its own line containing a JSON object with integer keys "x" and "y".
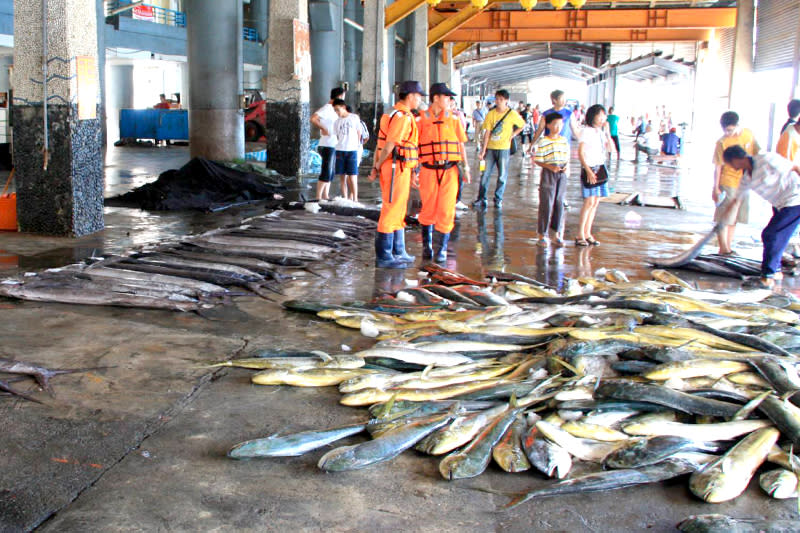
{"x": 144, "y": 12}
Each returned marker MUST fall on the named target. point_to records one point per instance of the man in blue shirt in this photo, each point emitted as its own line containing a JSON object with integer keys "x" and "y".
{"x": 478, "y": 116}
{"x": 670, "y": 143}
{"x": 569, "y": 127}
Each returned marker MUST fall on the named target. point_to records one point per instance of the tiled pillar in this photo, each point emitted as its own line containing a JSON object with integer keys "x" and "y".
{"x": 288, "y": 115}
{"x": 59, "y": 175}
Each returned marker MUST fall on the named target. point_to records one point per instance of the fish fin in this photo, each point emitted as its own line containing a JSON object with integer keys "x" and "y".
{"x": 512, "y": 402}
{"x": 568, "y": 366}
{"x": 750, "y": 406}
{"x": 5, "y": 387}
{"x": 519, "y": 499}
{"x": 725, "y": 465}
{"x": 425, "y": 371}
{"x": 322, "y": 355}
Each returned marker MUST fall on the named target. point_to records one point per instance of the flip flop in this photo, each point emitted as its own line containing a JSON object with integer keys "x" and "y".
{"x": 581, "y": 242}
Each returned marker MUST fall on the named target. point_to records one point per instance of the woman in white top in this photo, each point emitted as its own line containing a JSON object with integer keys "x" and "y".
{"x": 592, "y": 152}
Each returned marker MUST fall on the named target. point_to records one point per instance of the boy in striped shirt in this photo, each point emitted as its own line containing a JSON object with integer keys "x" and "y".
{"x": 552, "y": 154}
{"x": 777, "y": 180}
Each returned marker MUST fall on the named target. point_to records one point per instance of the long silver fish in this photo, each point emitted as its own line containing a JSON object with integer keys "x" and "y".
{"x": 718, "y": 523}
{"x": 292, "y": 445}
{"x": 607, "y": 480}
{"x": 388, "y": 446}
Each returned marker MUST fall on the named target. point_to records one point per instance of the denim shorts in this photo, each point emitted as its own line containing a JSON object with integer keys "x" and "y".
{"x": 346, "y": 163}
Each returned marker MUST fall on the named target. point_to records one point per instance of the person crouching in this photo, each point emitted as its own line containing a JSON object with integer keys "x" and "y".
{"x": 777, "y": 180}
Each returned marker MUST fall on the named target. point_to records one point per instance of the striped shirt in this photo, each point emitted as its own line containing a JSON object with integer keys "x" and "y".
{"x": 552, "y": 151}
{"x": 774, "y": 179}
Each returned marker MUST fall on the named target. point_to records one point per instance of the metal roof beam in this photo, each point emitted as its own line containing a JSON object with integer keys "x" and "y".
{"x": 578, "y": 35}
{"x": 398, "y": 10}
{"x": 605, "y": 19}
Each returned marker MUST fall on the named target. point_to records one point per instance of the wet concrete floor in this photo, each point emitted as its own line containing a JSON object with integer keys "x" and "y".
{"x": 139, "y": 443}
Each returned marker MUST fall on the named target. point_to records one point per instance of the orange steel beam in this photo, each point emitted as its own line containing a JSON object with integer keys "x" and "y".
{"x": 398, "y": 10}
{"x": 606, "y": 19}
{"x": 460, "y": 48}
{"x": 577, "y": 35}
{"x": 453, "y": 22}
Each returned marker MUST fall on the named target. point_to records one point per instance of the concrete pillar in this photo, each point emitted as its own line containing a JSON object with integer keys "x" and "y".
{"x": 61, "y": 194}
{"x": 216, "y": 121}
{"x": 374, "y": 68}
{"x": 120, "y": 96}
{"x": 742, "y": 66}
{"x": 259, "y": 11}
{"x": 352, "y": 48}
{"x": 419, "y": 47}
{"x": 288, "y": 112}
{"x": 444, "y": 71}
{"x": 326, "y": 49}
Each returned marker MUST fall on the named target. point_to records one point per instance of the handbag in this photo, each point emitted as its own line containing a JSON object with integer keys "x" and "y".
{"x": 599, "y": 171}
{"x": 514, "y": 145}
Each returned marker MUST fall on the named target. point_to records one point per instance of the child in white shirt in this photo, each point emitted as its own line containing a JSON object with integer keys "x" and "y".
{"x": 349, "y": 133}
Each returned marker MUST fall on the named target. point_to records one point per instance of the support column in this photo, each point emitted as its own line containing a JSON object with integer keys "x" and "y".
{"x": 742, "y": 66}
{"x": 374, "y": 69}
{"x": 59, "y": 161}
{"x": 444, "y": 71}
{"x": 419, "y": 47}
{"x": 288, "y": 112}
{"x": 120, "y": 96}
{"x": 352, "y": 48}
{"x": 259, "y": 11}
{"x": 326, "y": 49}
{"x": 216, "y": 121}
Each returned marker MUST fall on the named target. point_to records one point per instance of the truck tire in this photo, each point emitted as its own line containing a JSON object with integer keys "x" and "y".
{"x": 253, "y": 131}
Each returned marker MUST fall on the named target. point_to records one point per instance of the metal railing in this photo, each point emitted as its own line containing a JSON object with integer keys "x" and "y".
{"x": 146, "y": 12}
{"x": 250, "y": 34}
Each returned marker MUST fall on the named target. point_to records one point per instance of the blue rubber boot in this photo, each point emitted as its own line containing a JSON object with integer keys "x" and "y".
{"x": 383, "y": 251}
{"x": 399, "y": 247}
{"x": 442, "y": 239}
{"x": 427, "y": 242}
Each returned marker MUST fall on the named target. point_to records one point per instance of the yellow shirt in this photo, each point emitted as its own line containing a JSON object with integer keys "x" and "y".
{"x": 501, "y": 140}
{"x": 730, "y": 176}
{"x": 789, "y": 144}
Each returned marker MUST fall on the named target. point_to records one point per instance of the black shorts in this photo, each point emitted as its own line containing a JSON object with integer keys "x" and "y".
{"x": 328, "y": 155}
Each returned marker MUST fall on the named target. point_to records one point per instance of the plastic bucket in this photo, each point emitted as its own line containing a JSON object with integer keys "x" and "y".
{"x": 8, "y": 212}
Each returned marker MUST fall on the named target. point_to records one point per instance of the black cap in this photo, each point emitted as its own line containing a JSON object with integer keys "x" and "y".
{"x": 441, "y": 88}
{"x": 408, "y": 87}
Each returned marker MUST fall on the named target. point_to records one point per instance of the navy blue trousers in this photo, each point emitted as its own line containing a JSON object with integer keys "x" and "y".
{"x": 776, "y": 236}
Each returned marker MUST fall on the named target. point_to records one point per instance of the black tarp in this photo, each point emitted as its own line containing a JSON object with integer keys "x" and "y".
{"x": 203, "y": 184}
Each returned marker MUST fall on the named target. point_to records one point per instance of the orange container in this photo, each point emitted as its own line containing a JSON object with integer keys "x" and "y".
{"x": 8, "y": 212}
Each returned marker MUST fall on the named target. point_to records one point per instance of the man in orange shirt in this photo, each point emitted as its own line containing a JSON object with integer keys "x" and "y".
{"x": 789, "y": 142}
{"x": 726, "y": 180}
{"x": 395, "y": 158}
{"x": 441, "y": 147}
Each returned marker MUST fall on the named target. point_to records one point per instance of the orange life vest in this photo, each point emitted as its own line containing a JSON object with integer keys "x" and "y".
{"x": 438, "y": 140}
{"x": 405, "y": 151}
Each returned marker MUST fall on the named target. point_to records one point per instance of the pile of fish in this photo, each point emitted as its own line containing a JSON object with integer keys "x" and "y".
{"x": 201, "y": 271}
{"x": 726, "y": 265}
{"x": 639, "y": 381}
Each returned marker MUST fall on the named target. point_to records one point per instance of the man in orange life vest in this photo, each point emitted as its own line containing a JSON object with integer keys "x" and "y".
{"x": 441, "y": 147}
{"x": 395, "y": 158}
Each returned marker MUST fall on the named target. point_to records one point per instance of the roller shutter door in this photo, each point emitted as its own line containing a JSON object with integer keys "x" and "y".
{"x": 777, "y": 34}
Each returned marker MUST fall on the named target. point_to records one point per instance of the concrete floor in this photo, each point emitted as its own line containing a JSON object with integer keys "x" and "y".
{"x": 140, "y": 445}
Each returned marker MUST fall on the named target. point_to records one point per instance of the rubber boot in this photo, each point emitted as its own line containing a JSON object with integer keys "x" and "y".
{"x": 399, "y": 247}
{"x": 383, "y": 251}
{"x": 441, "y": 247}
{"x": 427, "y": 242}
